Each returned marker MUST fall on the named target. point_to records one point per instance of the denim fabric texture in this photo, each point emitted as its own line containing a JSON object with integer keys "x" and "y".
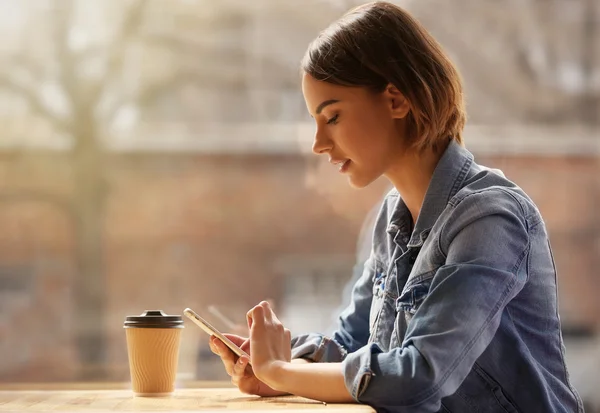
{"x": 460, "y": 313}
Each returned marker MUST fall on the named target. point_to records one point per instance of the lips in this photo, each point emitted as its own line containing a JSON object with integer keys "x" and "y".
{"x": 342, "y": 164}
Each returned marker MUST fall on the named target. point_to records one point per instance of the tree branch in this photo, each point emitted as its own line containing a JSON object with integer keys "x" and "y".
{"x": 25, "y": 62}
{"x": 533, "y": 49}
{"x": 36, "y": 104}
{"x": 158, "y": 90}
{"x": 65, "y": 58}
{"x": 130, "y": 26}
{"x": 189, "y": 47}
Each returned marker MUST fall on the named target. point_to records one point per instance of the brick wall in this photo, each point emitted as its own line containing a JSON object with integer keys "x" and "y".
{"x": 196, "y": 230}
{"x": 36, "y": 271}
{"x": 567, "y": 192}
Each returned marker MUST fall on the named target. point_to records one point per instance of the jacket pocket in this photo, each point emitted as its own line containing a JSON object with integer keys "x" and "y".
{"x": 479, "y": 392}
{"x": 496, "y": 389}
{"x": 411, "y": 299}
{"x": 379, "y": 284}
{"x": 444, "y": 409}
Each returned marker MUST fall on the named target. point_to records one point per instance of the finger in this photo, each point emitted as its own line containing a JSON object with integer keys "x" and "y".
{"x": 273, "y": 322}
{"x": 256, "y": 314}
{"x": 249, "y": 319}
{"x": 228, "y": 364}
{"x": 213, "y": 347}
{"x": 247, "y": 383}
{"x": 216, "y": 345}
{"x": 267, "y": 311}
{"x": 246, "y": 346}
{"x": 287, "y": 334}
{"x": 239, "y": 370}
{"x": 237, "y": 340}
{"x": 275, "y": 318}
{"x": 220, "y": 346}
{"x": 270, "y": 317}
{"x": 227, "y": 356}
{"x": 271, "y": 302}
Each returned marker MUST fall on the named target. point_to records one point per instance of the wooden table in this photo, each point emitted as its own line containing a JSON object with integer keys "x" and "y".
{"x": 183, "y": 400}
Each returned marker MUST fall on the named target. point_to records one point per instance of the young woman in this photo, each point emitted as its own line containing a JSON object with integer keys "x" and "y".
{"x": 456, "y": 310}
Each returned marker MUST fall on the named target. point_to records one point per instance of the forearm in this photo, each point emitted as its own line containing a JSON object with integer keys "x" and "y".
{"x": 318, "y": 381}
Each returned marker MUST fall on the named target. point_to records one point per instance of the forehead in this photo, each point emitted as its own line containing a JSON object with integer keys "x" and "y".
{"x": 316, "y": 91}
{"x": 311, "y": 84}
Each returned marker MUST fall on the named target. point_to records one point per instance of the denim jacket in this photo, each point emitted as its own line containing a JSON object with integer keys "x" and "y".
{"x": 459, "y": 314}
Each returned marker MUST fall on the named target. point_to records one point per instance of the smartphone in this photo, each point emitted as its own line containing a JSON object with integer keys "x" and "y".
{"x": 210, "y": 330}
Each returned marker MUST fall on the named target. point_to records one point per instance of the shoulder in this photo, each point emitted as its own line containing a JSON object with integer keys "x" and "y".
{"x": 490, "y": 213}
{"x": 489, "y": 193}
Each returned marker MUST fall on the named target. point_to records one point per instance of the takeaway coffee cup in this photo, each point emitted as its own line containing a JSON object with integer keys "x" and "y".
{"x": 153, "y": 349}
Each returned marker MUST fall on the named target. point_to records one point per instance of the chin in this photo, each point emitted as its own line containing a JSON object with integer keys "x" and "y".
{"x": 359, "y": 182}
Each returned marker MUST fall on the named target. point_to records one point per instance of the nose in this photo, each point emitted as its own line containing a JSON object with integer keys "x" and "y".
{"x": 322, "y": 143}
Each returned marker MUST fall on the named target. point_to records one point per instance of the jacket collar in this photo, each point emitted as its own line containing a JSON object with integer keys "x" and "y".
{"x": 448, "y": 177}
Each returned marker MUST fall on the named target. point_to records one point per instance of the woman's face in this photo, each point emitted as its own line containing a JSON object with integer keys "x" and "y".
{"x": 361, "y": 132}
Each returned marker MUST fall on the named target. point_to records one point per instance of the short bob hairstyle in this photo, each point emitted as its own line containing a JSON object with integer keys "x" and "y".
{"x": 378, "y": 44}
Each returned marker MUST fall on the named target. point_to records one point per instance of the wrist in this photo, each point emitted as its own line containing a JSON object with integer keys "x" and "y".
{"x": 275, "y": 375}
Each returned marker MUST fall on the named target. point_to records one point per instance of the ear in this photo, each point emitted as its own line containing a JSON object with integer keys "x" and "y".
{"x": 398, "y": 104}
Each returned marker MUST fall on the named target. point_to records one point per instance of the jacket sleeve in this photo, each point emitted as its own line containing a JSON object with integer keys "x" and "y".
{"x": 485, "y": 241}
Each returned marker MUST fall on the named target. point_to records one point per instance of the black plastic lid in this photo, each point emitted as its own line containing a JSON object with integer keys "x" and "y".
{"x": 153, "y": 319}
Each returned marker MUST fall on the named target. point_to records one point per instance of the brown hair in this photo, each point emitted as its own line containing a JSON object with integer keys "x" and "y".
{"x": 379, "y": 43}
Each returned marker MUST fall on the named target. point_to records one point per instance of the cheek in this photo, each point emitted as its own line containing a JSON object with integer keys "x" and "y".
{"x": 370, "y": 141}
{"x": 357, "y": 132}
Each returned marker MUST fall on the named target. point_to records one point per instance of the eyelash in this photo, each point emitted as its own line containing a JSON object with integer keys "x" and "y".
{"x": 333, "y": 120}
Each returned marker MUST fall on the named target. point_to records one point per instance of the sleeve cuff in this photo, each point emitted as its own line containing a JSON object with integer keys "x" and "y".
{"x": 357, "y": 369}
{"x": 317, "y": 348}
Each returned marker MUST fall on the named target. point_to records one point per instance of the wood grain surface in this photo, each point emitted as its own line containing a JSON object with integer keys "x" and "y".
{"x": 183, "y": 400}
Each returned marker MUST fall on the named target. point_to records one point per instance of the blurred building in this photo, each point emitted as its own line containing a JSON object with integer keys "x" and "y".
{"x": 155, "y": 157}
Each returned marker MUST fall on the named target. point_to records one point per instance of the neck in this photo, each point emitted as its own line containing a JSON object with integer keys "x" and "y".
{"x": 411, "y": 175}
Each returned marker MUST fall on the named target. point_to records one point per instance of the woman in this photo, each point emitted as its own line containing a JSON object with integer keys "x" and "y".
{"x": 457, "y": 308}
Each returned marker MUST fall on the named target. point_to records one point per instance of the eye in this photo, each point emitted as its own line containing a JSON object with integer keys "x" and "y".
{"x": 333, "y": 120}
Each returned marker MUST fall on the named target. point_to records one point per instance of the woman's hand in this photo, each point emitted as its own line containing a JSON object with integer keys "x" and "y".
{"x": 242, "y": 375}
{"x": 272, "y": 371}
{"x": 270, "y": 343}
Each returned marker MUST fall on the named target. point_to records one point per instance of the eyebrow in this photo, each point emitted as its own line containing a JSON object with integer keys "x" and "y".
{"x": 324, "y": 104}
